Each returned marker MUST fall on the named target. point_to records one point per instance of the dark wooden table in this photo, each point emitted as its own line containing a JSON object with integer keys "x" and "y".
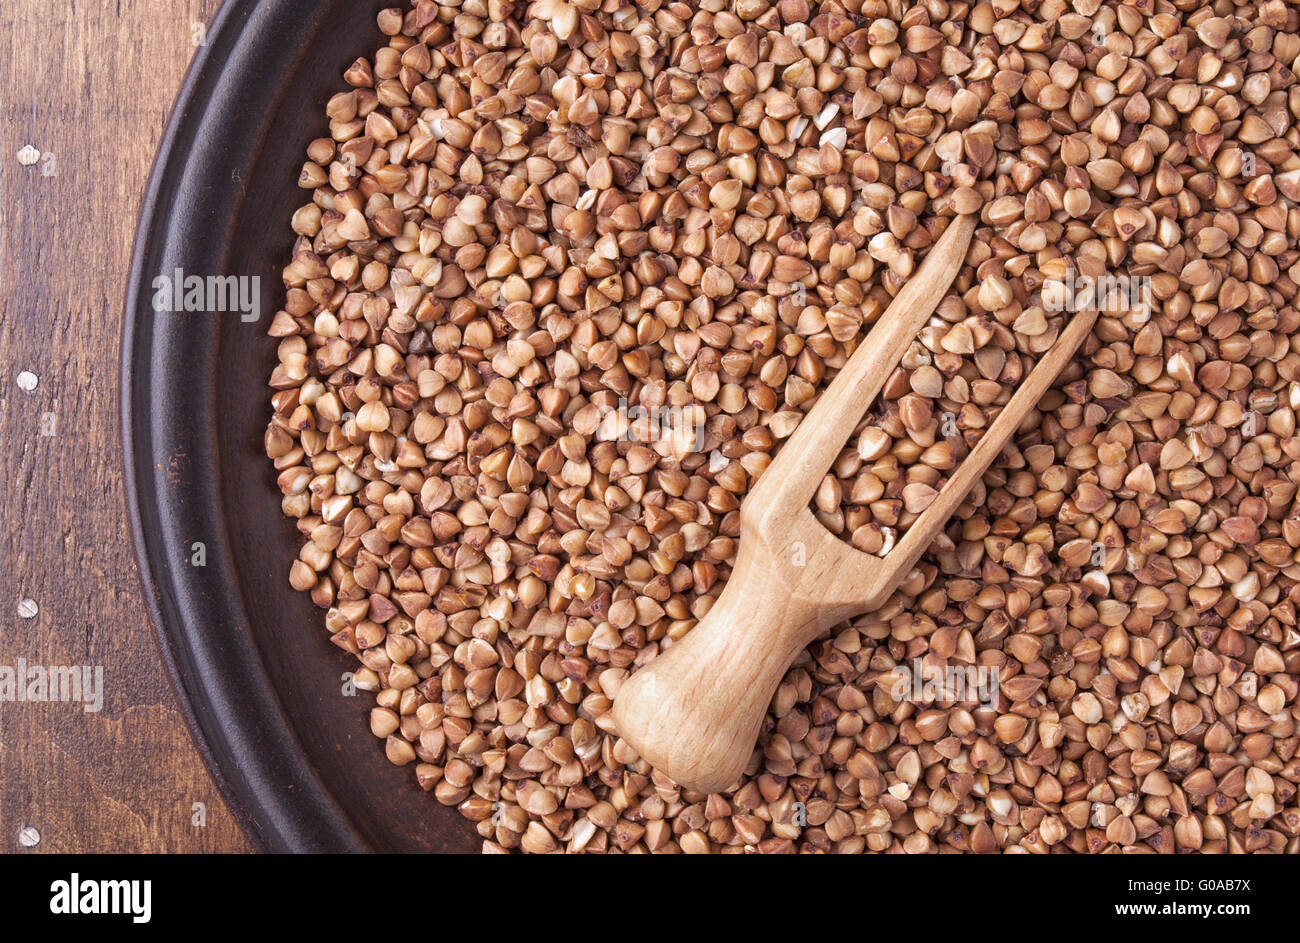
{"x": 88, "y": 85}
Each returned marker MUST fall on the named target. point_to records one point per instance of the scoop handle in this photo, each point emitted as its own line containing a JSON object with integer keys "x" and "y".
{"x": 695, "y": 711}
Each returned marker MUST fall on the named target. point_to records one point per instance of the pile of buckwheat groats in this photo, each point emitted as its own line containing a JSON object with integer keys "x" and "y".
{"x": 530, "y": 220}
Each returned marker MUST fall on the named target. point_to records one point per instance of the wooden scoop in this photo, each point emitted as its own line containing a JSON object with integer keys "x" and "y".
{"x": 695, "y": 711}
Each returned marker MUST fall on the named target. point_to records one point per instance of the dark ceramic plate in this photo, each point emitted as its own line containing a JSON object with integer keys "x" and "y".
{"x": 260, "y": 684}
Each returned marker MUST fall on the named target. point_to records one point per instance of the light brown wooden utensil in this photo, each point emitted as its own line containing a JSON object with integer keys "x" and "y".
{"x": 695, "y": 711}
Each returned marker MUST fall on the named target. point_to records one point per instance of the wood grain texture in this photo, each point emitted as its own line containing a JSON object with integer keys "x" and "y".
{"x": 89, "y": 84}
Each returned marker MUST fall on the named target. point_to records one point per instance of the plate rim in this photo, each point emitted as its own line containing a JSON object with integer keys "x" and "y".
{"x": 278, "y": 800}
